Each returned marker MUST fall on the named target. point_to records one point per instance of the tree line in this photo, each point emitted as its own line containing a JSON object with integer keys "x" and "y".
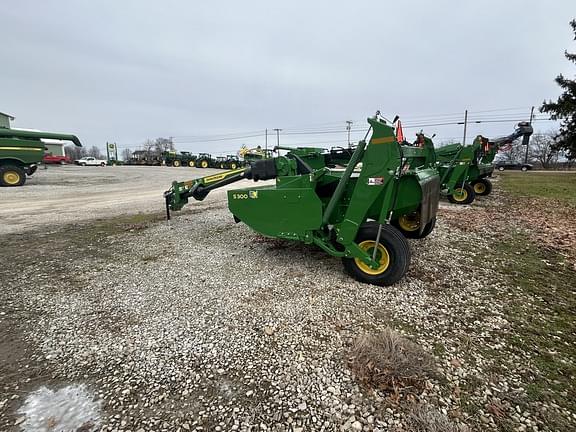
{"x": 151, "y": 147}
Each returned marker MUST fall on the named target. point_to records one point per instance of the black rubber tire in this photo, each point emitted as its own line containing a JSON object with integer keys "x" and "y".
{"x": 486, "y": 183}
{"x": 83, "y": 164}
{"x": 176, "y": 163}
{"x": 501, "y": 168}
{"x": 398, "y": 250}
{"x": 191, "y": 164}
{"x": 5, "y": 169}
{"x": 470, "y": 196}
{"x": 416, "y": 234}
{"x": 524, "y": 169}
{"x": 102, "y": 164}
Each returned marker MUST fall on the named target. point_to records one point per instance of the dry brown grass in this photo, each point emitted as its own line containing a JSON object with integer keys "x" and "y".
{"x": 388, "y": 361}
{"x": 427, "y": 419}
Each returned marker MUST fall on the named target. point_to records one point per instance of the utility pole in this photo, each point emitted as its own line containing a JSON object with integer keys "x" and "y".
{"x": 528, "y": 143}
{"x": 348, "y": 127}
{"x": 266, "y": 144}
{"x": 278, "y": 136}
{"x": 465, "y": 125}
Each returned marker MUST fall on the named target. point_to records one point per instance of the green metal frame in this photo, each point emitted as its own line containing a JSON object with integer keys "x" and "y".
{"x": 314, "y": 203}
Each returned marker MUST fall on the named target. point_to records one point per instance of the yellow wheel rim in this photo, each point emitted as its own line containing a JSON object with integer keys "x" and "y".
{"x": 409, "y": 222}
{"x": 204, "y": 164}
{"x": 233, "y": 166}
{"x": 460, "y": 195}
{"x": 479, "y": 188}
{"x": 11, "y": 177}
{"x": 176, "y": 163}
{"x": 382, "y": 257}
{"x": 191, "y": 163}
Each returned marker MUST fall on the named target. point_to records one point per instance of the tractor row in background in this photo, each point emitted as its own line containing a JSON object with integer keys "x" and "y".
{"x": 202, "y": 160}
{"x": 358, "y": 203}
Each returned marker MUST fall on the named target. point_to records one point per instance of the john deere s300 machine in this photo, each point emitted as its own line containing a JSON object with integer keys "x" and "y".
{"x": 347, "y": 211}
{"x": 464, "y": 169}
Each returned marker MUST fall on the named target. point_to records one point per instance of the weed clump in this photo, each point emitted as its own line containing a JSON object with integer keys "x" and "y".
{"x": 422, "y": 418}
{"x": 387, "y": 361}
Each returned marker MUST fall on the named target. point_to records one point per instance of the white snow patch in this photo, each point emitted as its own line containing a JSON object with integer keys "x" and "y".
{"x": 69, "y": 409}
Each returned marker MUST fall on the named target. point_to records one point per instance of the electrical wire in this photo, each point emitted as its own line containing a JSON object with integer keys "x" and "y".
{"x": 500, "y": 115}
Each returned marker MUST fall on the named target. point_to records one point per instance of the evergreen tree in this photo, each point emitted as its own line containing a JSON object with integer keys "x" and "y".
{"x": 565, "y": 109}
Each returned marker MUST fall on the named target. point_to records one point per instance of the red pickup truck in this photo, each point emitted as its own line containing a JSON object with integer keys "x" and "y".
{"x": 50, "y": 159}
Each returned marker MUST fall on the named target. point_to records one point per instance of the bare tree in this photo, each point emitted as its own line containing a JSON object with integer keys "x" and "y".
{"x": 126, "y": 154}
{"x": 512, "y": 153}
{"x": 163, "y": 144}
{"x": 148, "y": 146}
{"x": 94, "y": 151}
{"x": 74, "y": 152}
{"x": 542, "y": 149}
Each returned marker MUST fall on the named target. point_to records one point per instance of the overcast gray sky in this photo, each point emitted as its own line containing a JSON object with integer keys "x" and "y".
{"x": 125, "y": 71}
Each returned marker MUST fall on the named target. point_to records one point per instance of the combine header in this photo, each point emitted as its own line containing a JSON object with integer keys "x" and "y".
{"x": 349, "y": 212}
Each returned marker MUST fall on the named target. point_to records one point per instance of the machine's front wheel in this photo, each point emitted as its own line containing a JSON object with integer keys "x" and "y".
{"x": 176, "y": 163}
{"x": 204, "y": 164}
{"x": 12, "y": 175}
{"x": 191, "y": 164}
{"x": 462, "y": 195}
{"x": 392, "y": 253}
{"x": 482, "y": 187}
{"x": 233, "y": 166}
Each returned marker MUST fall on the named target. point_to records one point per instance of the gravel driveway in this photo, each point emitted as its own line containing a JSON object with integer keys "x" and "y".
{"x": 201, "y": 324}
{"x": 70, "y": 193}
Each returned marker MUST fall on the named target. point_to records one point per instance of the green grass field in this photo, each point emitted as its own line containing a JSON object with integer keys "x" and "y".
{"x": 555, "y": 185}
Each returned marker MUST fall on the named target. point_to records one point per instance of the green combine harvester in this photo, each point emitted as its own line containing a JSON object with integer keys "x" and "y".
{"x": 350, "y": 212}
{"x": 464, "y": 170}
{"x": 21, "y": 151}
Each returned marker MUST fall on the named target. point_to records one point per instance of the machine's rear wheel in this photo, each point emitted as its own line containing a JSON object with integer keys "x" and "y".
{"x": 233, "y": 166}
{"x": 204, "y": 164}
{"x": 191, "y": 164}
{"x": 462, "y": 195}
{"x": 409, "y": 226}
{"x": 482, "y": 187}
{"x": 176, "y": 163}
{"x": 12, "y": 175}
{"x": 392, "y": 252}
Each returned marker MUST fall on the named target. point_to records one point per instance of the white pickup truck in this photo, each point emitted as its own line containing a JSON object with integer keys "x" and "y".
{"x": 90, "y": 161}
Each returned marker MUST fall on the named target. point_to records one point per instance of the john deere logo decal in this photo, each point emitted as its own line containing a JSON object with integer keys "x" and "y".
{"x": 375, "y": 181}
{"x": 253, "y": 194}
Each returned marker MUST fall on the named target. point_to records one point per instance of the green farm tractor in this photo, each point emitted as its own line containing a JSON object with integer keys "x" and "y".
{"x": 349, "y": 212}
{"x": 204, "y": 160}
{"x": 232, "y": 162}
{"x": 175, "y": 159}
{"x": 21, "y": 151}
{"x": 221, "y": 162}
